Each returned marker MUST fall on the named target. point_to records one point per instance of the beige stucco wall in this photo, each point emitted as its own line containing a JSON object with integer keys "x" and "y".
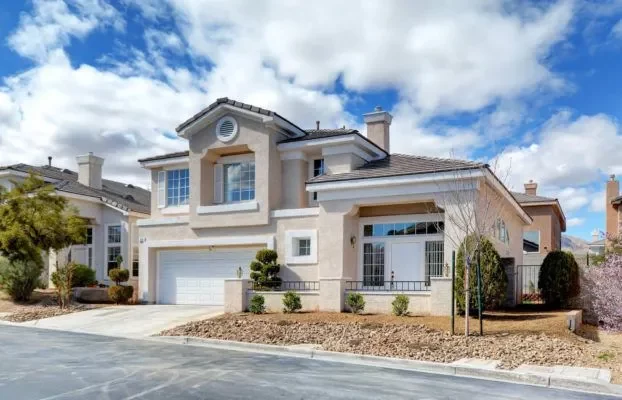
{"x": 294, "y": 175}
{"x": 342, "y": 163}
{"x": 547, "y": 223}
{"x": 274, "y": 300}
{"x": 380, "y": 302}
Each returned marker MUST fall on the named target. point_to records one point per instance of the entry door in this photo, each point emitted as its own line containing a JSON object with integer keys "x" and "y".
{"x": 407, "y": 262}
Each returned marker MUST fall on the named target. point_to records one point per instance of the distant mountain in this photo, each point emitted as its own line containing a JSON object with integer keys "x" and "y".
{"x": 574, "y": 244}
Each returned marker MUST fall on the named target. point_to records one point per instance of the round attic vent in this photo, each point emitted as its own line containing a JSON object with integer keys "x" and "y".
{"x": 226, "y": 129}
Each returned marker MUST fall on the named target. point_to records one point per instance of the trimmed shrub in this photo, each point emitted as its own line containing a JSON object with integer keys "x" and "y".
{"x": 559, "y": 278}
{"x": 118, "y": 275}
{"x": 83, "y": 276}
{"x": 356, "y": 302}
{"x": 400, "y": 305}
{"x": 120, "y": 294}
{"x": 257, "y": 304}
{"x": 291, "y": 302}
{"x": 19, "y": 278}
{"x": 264, "y": 269}
{"x": 62, "y": 279}
{"x": 602, "y": 292}
{"x": 494, "y": 278}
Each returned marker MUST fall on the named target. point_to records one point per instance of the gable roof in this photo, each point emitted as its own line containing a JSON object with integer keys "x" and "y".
{"x": 400, "y": 164}
{"x": 234, "y": 103}
{"x": 117, "y": 194}
{"x": 527, "y": 200}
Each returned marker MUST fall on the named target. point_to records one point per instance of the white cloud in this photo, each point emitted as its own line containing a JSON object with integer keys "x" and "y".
{"x": 616, "y": 30}
{"x": 597, "y": 202}
{"x": 573, "y": 222}
{"x": 54, "y": 22}
{"x": 572, "y": 198}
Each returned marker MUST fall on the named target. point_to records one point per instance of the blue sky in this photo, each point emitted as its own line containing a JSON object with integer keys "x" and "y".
{"x": 532, "y": 88}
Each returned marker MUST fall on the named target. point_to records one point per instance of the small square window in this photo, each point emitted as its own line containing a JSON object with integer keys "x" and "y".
{"x": 303, "y": 247}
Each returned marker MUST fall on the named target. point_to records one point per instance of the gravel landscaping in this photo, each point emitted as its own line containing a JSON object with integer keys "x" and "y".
{"x": 508, "y": 338}
{"x": 43, "y": 304}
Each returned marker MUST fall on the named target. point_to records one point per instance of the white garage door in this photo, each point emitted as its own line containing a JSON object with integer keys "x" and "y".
{"x": 198, "y": 276}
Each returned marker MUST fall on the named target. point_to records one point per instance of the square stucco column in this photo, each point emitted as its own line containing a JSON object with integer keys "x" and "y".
{"x": 332, "y": 294}
{"x": 440, "y": 298}
{"x": 235, "y": 295}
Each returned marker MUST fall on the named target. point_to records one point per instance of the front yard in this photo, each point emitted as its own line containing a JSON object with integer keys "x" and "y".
{"x": 514, "y": 338}
{"x": 43, "y": 304}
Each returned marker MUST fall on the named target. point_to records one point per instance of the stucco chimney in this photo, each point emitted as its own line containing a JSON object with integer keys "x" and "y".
{"x": 90, "y": 170}
{"x": 611, "y": 213}
{"x": 595, "y": 235}
{"x": 531, "y": 188}
{"x": 378, "y": 123}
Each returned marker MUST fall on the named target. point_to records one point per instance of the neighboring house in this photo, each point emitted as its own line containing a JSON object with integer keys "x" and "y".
{"x": 549, "y": 221}
{"x": 110, "y": 208}
{"x": 613, "y": 211}
{"x": 340, "y": 211}
{"x": 597, "y": 245}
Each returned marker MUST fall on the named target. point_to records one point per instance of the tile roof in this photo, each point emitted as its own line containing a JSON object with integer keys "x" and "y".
{"x": 118, "y": 194}
{"x": 400, "y": 164}
{"x": 528, "y": 198}
{"x": 322, "y": 133}
{"x": 616, "y": 200}
{"x": 234, "y": 103}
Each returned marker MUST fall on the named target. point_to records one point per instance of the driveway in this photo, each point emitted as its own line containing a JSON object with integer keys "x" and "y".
{"x": 39, "y": 364}
{"x": 127, "y": 321}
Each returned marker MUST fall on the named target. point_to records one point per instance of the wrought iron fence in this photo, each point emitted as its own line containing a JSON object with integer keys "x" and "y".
{"x": 298, "y": 286}
{"x": 383, "y": 286}
{"x": 527, "y": 280}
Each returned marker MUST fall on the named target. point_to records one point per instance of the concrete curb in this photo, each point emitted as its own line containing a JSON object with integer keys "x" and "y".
{"x": 545, "y": 380}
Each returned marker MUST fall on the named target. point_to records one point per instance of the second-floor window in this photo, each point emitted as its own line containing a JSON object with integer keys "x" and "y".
{"x": 239, "y": 182}
{"x": 177, "y": 187}
{"x": 318, "y": 169}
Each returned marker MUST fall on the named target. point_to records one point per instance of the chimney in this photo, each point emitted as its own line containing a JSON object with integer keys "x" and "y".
{"x": 49, "y": 161}
{"x": 378, "y": 123}
{"x": 90, "y": 170}
{"x": 531, "y": 188}
{"x": 317, "y": 125}
{"x": 612, "y": 191}
{"x": 595, "y": 235}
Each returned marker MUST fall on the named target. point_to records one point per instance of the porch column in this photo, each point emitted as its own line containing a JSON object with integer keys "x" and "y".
{"x": 235, "y": 295}
{"x": 337, "y": 256}
{"x": 440, "y": 297}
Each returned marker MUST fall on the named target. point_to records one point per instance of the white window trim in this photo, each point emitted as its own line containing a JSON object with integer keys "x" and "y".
{"x": 290, "y": 246}
{"x": 237, "y": 159}
{"x": 251, "y": 205}
{"x": 109, "y": 245}
{"x": 172, "y": 210}
{"x": 175, "y": 209}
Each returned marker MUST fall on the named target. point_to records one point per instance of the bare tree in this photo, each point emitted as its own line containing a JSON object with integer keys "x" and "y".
{"x": 471, "y": 202}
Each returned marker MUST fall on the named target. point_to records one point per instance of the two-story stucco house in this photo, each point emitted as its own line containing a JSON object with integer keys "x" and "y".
{"x": 342, "y": 212}
{"x": 110, "y": 208}
{"x": 545, "y": 233}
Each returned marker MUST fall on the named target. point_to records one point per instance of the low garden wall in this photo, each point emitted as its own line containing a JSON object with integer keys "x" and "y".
{"x": 380, "y": 302}
{"x": 274, "y": 300}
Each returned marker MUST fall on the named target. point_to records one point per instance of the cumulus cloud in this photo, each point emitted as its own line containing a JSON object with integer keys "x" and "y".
{"x": 573, "y": 222}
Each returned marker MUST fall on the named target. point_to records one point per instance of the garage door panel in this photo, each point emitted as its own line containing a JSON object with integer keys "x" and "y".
{"x": 197, "y": 276}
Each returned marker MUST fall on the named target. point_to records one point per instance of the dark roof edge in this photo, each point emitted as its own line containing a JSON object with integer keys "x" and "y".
{"x": 166, "y": 156}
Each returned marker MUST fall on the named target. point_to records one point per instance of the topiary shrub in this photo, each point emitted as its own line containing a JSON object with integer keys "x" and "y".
{"x": 257, "y": 304}
{"x": 291, "y": 302}
{"x": 120, "y": 294}
{"x": 264, "y": 269}
{"x": 119, "y": 275}
{"x": 356, "y": 302}
{"x": 559, "y": 278}
{"x": 400, "y": 305}
{"x": 19, "y": 278}
{"x": 494, "y": 278}
{"x": 83, "y": 276}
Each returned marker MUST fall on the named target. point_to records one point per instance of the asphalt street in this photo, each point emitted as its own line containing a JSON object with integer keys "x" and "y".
{"x": 44, "y": 364}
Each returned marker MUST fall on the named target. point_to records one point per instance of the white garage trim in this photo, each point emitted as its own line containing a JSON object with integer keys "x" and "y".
{"x": 267, "y": 240}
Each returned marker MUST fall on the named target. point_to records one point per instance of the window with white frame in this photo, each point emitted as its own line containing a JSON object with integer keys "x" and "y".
{"x": 303, "y": 247}
{"x": 135, "y": 261}
{"x": 239, "y": 182}
{"x": 434, "y": 258}
{"x": 177, "y": 187}
{"x": 89, "y": 247}
{"x": 113, "y": 246}
{"x": 318, "y": 169}
{"x": 373, "y": 264}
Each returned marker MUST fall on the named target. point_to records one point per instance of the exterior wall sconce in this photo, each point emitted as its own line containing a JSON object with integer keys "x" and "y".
{"x": 352, "y": 240}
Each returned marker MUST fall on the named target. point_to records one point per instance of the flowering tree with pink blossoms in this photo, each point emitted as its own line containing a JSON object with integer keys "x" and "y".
{"x": 602, "y": 285}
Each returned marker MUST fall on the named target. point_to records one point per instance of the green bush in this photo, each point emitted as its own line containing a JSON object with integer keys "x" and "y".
{"x": 83, "y": 276}
{"x": 559, "y": 278}
{"x": 119, "y": 275}
{"x": 356, "y": 302}
{"x": 264, "y": 269}
{"x": 62, "y": 279}
{"x": 120, "y": 294}
{"x": 400, "y": 305}
{"x": 494, "y": 278}
{"x": 20, "y": 278}
{"x": 292, "y": 302}
{"x": 257, "y": 304}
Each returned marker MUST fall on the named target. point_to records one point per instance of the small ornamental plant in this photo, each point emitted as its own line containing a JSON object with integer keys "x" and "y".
{"x": 291, "y": 302}
{"x": 257, "y": 304}
{"x": 400, "y": 305}
{"x": 356, "y": 302}
{"x": 120, "y": 293}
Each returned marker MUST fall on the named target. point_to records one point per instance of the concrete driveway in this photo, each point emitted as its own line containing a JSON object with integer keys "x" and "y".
{"x": 127, "y": 321}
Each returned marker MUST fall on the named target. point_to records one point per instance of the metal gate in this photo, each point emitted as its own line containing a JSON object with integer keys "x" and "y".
{"x": 527, "y": 284}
